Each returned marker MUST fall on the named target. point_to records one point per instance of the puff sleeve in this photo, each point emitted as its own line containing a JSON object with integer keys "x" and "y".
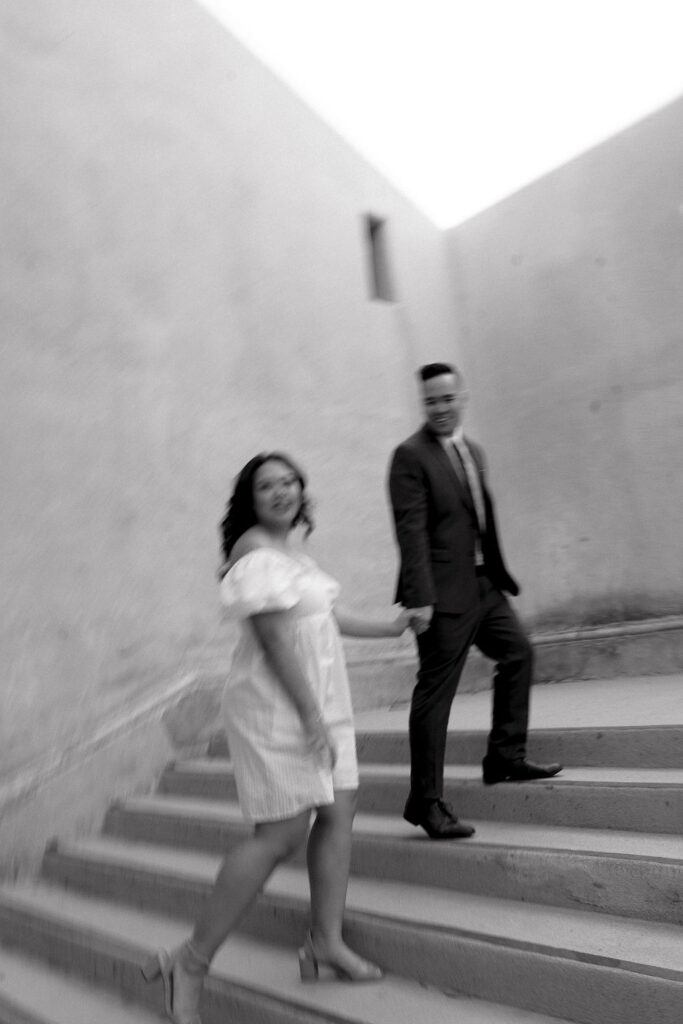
{"x": 264, "y": 580}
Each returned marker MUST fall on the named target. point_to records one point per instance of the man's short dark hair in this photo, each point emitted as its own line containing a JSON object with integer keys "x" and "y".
{"x": 436, "y": 370}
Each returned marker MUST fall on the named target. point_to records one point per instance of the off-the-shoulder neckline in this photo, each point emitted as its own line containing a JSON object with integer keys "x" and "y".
{"x": 303, "y": 560}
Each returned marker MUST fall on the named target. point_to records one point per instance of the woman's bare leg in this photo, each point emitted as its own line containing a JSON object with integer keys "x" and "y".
{"x": 329, "y": 860}
{"x": 243, "y": 874}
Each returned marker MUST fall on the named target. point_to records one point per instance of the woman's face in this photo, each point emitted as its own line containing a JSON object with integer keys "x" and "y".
{"x": 277, "y": 495}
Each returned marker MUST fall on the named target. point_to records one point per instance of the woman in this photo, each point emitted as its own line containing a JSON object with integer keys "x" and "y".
{"x": 289, "y": 723}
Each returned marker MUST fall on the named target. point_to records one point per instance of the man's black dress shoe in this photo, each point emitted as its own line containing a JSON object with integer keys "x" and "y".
{"x": 438, "y": 821}
{"x": 498, "y": 770}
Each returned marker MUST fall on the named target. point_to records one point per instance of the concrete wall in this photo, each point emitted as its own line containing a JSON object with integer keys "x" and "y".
{"x": 570, "y": 303}
{"x": 183, "y": 278}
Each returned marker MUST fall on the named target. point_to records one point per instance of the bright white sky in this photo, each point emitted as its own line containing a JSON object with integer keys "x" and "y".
{"x": 461, "y": 102}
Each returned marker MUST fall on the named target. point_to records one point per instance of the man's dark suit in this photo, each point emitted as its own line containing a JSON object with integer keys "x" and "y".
{"x": 437, "y": 532}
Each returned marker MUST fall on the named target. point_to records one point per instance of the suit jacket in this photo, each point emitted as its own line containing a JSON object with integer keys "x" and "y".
{"x": 436, "y": 528}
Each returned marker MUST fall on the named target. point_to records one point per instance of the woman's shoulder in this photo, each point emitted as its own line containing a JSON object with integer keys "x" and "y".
{"x": 252, "y": 539}
{"x": 260, "y": 578}
{"x": 255, "y": 553}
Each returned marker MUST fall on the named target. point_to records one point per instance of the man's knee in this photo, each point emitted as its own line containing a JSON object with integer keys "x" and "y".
{"x": 519, "y": 651}
{"x": 438, "y": 680}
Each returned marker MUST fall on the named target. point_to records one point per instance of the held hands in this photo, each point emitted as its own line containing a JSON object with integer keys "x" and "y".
{"x": 420, "y": 618}
{"x": 401, "y": 623}
{"x": 320, "y": 744}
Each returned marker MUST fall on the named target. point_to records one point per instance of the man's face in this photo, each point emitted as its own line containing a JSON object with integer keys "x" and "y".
{"x": 444, "y": 398}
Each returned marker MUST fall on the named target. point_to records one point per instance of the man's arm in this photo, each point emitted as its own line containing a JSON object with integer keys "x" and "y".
{"x": 409, "y": 503}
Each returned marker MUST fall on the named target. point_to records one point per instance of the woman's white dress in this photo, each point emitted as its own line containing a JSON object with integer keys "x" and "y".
{"x": 276, "y": 775}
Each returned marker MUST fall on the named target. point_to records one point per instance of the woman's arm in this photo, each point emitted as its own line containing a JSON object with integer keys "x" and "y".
{"x": 274, "y": 631}
{"x": 352, "y": 624}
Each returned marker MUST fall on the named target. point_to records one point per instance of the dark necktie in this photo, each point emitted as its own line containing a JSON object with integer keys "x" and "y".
{"x": 463, "y": 455}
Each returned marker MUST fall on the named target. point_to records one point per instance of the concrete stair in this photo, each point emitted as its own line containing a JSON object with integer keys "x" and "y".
{"x": 33, "y": 993}
{"x": 624, "y": 873}
{"x": 566, "y": 905}
{"x": 611, "y": 798}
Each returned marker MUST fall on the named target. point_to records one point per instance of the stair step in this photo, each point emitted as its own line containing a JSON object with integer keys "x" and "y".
{"x": 648, "y": 800}
{"x": 628, "y": 799}
{"x": 530, "y": 955}
{"x": 504, "y": 833}
{"x": 597, "y": 935}
{"x": 625, "y": 873}
{"x": 621, "y": 702}
{"x": 33, "y": 993}
{"x": 250, "y": 980}
{"x": 570, "y": 776}
{"x": 622, "y": 747}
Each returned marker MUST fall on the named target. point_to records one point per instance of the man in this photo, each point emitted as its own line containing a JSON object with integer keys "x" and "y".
{"x": 451, "y": 580}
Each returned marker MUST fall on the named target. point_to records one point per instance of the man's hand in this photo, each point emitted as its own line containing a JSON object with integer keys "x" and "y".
{"x": 401, "y": 622}
{"x": 420, "y": 618}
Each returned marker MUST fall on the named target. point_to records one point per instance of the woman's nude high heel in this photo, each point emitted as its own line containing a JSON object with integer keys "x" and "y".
{"x": 182, "y": 973}
{"x": 310, "y": 964}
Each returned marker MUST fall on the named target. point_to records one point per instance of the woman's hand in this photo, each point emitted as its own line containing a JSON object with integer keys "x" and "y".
{"x": 420, "y": 619}
{"x": 320, "y": 744}
{"x": 351, "y": 624}
{"x": 401, "y": 622}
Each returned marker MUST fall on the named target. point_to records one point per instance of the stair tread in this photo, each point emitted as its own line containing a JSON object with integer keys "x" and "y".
{"x": 454, "y": 772}
{"x": 650, "y": 947}
{"x": 45, "y": 994}
{"x": 488, "y": 833}
{"x": 267, "y": 968}
{"x": 630, "y": 777}
{"x": 390, "y": 727}
{"x": 624, "y": 701}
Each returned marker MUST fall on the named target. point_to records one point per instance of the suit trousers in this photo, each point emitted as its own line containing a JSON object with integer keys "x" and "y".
{"x": 492, "y": 626}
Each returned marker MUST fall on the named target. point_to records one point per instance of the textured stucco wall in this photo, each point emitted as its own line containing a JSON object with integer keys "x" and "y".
{"x": 570, "y": 302}
{"x": 183, "y": 282}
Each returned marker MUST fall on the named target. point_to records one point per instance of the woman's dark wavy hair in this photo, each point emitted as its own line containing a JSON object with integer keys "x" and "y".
{"x": 240, "y": 516}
